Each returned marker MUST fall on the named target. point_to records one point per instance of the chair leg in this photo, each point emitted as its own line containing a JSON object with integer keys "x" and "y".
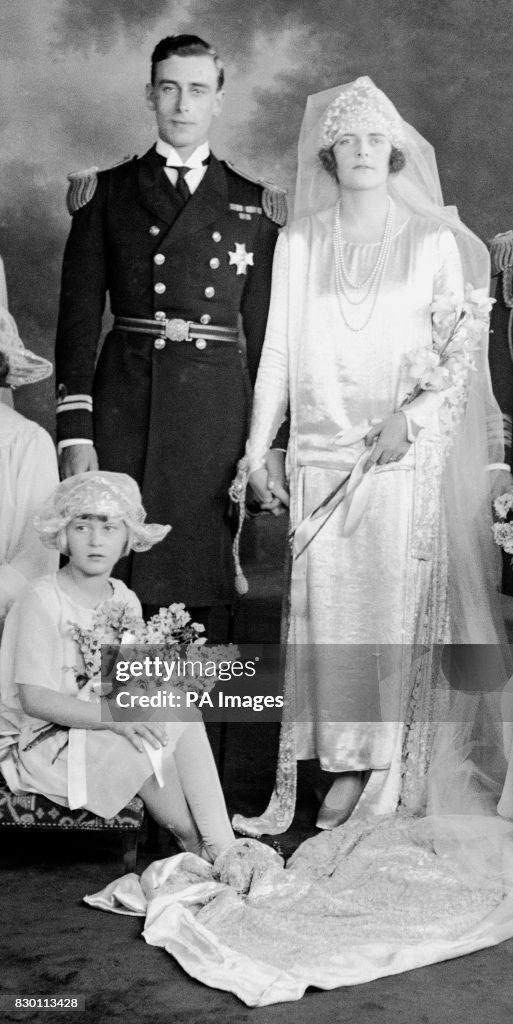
{"x": 129, "y": 840}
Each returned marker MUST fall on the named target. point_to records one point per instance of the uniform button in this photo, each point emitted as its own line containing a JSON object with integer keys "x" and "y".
{"x": 209, "y": 292}
{"x": 154, "y": 230}
{"x": 160, "y": 315}
{"x": 214, "y": 263}
{"x": 160, "y": 288}
{"x": 205, "y": 319}
{"x": 159, "y": 259}
{"x": 200, "y": 343}
{"x": 217, "y": 236}
{"x": 159, "y": 344}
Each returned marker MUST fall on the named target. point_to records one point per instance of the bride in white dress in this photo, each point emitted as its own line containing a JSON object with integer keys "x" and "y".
{"x": 393, "y": 558}
{"x": 376, "y": 575}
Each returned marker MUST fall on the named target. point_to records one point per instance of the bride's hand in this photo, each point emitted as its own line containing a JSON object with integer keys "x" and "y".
{"x": 276, "y": 479}
{"x": 267, "y": 499}
{"x": 390, "y": 440}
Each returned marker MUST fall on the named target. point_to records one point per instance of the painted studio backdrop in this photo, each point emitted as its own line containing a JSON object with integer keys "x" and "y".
{"x": 72, "y": 78}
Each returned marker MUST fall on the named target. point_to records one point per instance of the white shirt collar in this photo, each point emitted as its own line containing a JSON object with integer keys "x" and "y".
{"x": 196, "y": 159}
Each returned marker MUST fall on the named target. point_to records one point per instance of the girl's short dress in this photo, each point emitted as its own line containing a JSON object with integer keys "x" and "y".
{"x": 95, "y": 769}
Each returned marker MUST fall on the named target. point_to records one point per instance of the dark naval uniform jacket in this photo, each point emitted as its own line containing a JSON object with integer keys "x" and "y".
{"x": 173, "y": 414}
{"x": 501, "y": 354}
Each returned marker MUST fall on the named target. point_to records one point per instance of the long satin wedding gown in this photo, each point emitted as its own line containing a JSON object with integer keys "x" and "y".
{"x": 361, "y": 604}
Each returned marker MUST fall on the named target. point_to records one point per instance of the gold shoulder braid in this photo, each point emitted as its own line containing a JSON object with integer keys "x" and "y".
{"x": 274, "y": 199}
{"x": 274, "y": 203}
{"x": 82, "y": 186}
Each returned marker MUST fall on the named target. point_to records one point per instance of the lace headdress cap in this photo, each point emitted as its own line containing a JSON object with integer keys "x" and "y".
{"x": 24, "y": 366}
{"x": 361, "y": 106}
{"x": 99, "y": 494}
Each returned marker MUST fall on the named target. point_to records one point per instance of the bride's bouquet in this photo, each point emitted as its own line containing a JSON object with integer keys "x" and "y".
{"x": 456, "y": 335}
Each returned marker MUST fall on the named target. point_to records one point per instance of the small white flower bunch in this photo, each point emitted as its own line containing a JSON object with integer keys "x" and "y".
{"x": 503, "y": 530}
{"x": 171, "y": 634}
{"x": 456, "y": 335}
{"x": 169, "y": 626}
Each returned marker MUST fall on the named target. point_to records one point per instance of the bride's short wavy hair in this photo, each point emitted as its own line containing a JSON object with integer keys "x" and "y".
{"x": 327, "y": 158}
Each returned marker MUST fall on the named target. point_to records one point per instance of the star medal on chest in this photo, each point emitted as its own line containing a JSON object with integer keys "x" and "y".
{"x": 241, "y": 258}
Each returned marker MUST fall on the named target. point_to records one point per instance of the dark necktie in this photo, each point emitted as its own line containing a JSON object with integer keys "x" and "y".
{"x": 181, "y": 185}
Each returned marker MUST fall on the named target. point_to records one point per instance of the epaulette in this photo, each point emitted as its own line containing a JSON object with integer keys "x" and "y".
{"x": 274, "y": 199}
{"x": 274, "y": 202}
{"x": 82, "y": 186}
{"x": 501, "y": 252}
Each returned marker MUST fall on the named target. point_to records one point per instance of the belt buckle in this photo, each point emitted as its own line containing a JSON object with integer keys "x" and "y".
{"x": 177, "y": 330}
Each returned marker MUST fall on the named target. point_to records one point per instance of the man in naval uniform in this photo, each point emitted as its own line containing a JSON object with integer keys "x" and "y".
{"x": 183, "y": 243}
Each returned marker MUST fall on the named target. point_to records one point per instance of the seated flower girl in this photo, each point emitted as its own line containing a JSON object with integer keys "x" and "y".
{"x": 95, "y": 518}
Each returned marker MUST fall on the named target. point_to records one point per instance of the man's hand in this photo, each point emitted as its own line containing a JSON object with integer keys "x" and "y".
{"x": 259, "y": 483}
{"x": 269, "y": 484}
{"x": 78, "y": 458}
{"x": 500, "y": 482}
{"x": 390, "y": 439}
{"x": 276, "y": 479}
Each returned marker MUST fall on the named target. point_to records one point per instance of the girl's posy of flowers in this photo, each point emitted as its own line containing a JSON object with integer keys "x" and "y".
{"x": 171, "y": 629}
{"x": 172, "y": 635}
{"x": 109, "y": 626}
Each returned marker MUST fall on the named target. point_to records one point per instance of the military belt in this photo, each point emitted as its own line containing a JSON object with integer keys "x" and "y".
{"x": 175, "y": 329}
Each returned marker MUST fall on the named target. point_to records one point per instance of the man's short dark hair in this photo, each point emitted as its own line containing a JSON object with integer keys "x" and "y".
{"x": 186, "y": 46}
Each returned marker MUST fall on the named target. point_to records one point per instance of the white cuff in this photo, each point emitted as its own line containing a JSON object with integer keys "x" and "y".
{"x": 71, "y": 441}
{"x": 498, "y": 465}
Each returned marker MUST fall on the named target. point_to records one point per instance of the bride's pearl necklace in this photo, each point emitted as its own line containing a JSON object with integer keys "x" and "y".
{"x": 350, "y": 291}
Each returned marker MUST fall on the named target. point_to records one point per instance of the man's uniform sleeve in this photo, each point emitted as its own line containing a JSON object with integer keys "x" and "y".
{"x": 501, "y": 332}
{"x": 82, "y": 302}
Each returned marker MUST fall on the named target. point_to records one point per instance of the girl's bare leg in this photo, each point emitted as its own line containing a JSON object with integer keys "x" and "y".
{"x": 191, "y": 804}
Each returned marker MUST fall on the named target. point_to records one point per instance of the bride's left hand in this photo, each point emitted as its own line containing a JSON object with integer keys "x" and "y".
{"x": 390, "y": 440}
